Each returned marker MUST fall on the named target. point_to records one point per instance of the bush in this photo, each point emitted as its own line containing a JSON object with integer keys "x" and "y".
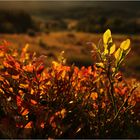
{"x": 31, "y": 33}
{"x": 64, "y": 101}
{"x": 99, "y": 24}
{"x": 15, "y": 22}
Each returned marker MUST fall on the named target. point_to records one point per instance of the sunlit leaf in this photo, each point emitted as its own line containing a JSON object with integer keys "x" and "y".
{"x": 19, "y": 100}
{"x": 40, "y": 69}
{"x": 112, "y": 49}
{"x": 23, "y": 85}
{"x": 25, "y": 48}
{"x": 15, "y": 77}
{"x": 55, "y": 64}
{"x": 94, "y": 95}
{"x": 42, "y": 125}
{"x": 6, "y": 64}
{"x": 63, "y": 112}
{"x": 11, "y": 89}
{"x": 28, "y": 125}
{"x": 118, "y": 54}
{"x": 33, "y": 102}
{"x": 125, "y": 44}
{"x": 107, "y": 37}
{"x": 106, "y": 51}
{"x": 25, "y": 112}
{"x": 1, "y": 78}
{"x": 1, "y": 91}
{"x": 61, "y": 58}
{"x": 1, "y": 53}
{"x": 28, "y": 68}
{"x": 32, "y": 91}
{"x": 113, "y": 69}
{"x": 101, "y": 65}
{"x": 63, "y": 74}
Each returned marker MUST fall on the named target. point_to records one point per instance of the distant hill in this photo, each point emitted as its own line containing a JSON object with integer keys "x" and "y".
{"x": 91, "y": 18}
{"x": 61, "y": 5}
{"x": 46, "y": 16}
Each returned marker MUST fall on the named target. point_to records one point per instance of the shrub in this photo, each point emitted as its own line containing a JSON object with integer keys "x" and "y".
{"x": 16, "y": 22}
{"x": 31, "y": 33}
{"x": 64, "y": 101}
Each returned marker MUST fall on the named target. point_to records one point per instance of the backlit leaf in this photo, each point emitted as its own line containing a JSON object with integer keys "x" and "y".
{"x": 100, "y": 65}
{"x": 1, "y": 78}
{"x": 25, "y": 48}
{"x": 94, "y": 95}
{"x": 1, "y": 53}
{"x": 42, "y": 125}
{"x": 15, "y": 77}
{"x": 28, "y": 68}
{"x": 125, "y": 44}
{"x": 28, "y": 125}
{"x": 118, "y": 54}
{"x": 33, "y": 102}
{"x": 25, "y": 112}
{"x": 107, "y": 37}
{"x": 23, "y": 85}
{"x": 112, "y": 49}
{"x": 55, "y": 64}
{"x": 105, "y": 51}
{"x": 113, "y": 69}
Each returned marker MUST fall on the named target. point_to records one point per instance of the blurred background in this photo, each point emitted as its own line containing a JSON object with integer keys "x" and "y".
{"x": 53, "y": 26}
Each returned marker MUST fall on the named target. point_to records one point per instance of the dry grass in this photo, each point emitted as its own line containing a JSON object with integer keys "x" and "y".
{"x": 73, "y": 43}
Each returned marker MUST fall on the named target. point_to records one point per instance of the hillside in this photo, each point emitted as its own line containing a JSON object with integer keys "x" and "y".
{"x": 75, "y": 45}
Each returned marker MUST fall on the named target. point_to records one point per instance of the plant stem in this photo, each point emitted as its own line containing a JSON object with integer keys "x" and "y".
{"x": 112, "y": 94}
{"x": 124, "y": 103}
{"x": 111, "y": 91}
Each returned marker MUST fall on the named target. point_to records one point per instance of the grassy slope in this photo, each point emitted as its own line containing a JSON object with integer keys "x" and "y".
{"x": 75, "y": 46}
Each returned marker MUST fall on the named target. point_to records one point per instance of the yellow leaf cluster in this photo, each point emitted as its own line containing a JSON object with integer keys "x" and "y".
{"x": 109, "y": 46}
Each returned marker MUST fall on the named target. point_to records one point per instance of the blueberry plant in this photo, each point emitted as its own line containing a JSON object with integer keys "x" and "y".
{"x": 63, "y": 101}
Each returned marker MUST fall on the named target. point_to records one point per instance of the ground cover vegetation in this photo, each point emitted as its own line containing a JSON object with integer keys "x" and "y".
{"x": 61, "y": 101}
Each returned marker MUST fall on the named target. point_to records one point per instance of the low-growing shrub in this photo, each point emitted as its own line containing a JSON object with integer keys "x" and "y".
{"x": 31, "y": 33}
{"x": 66, "y": 101}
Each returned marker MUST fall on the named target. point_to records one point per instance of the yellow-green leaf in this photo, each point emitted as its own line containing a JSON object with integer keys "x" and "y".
{"x": 113, "y": 69}
{"x": 125, "y": 44}
{"x": 105, "y": 51}
{"x": 112, "y": 49}
{"x": 55, "y": 64}
{"x": 107, "y": 36}
{"x": 118, "y": 54}
{"x": 101, "y": 65}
